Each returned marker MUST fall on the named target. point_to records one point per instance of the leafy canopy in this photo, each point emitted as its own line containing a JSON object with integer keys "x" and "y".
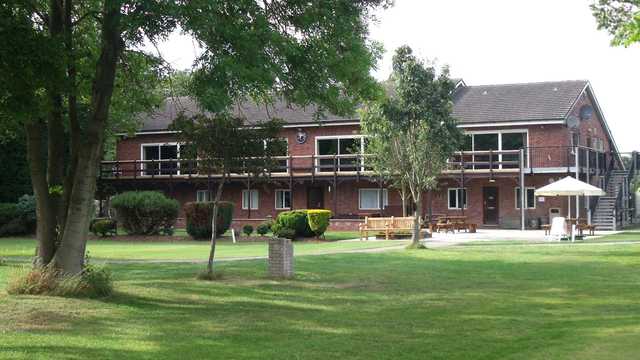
{"x": 621, "y": 18}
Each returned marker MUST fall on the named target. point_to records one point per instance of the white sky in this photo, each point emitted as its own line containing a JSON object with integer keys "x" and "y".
{"x": 505, "y": 41}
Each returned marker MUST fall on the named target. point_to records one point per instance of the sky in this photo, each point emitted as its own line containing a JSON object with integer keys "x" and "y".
{"x": 504, "y": 41}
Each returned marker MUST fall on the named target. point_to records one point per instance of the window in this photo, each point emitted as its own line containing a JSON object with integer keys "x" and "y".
{"x": 370, "y": 199}
{"x": 278, "y": 148}
{"x": 512, "y": 141}
{"x": 202, "y": 196}
{"x": 339, "y": 146}
{"x": 162, "y": 153}
{"x": 496, "y": 141}
{"x": 283, "y": 199}
{"x": 250, "y": 199}
{"x": 457, "y": 198}
{"x": 530, "y": 198}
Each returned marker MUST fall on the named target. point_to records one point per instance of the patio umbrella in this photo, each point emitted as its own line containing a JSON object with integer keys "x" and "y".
{"x": 570, "y": 187}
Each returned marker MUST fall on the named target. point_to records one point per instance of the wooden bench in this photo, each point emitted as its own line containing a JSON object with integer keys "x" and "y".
{"x": 385, "y": 225}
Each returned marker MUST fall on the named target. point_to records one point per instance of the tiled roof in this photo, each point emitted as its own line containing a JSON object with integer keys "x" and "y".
{"x": 516, "y": 102}
{"x": 472, "y": 105}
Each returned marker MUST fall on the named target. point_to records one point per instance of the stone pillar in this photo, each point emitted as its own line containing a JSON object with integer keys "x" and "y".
{"x": 280, "y": 258}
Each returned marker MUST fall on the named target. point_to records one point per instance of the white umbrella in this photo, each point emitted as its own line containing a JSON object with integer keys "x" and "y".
{"x": 570, "y": 187}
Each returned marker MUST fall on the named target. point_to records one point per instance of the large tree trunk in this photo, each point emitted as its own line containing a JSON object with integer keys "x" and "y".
{"x": 214, "y": 224}
{"x": 415, "y": 237}
{"x": 70, "y": 256}
{"x": 46, "y": 223}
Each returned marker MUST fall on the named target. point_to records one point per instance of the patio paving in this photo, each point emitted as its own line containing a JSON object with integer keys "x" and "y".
{"x": 448, "y": 239}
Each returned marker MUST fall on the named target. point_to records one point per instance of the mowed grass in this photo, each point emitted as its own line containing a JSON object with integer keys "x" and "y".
{"x": 479, "y": 302}
{"x": 187, "y": 250}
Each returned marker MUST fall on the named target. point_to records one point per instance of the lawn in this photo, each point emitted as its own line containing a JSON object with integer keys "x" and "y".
{"x": 480, "y": 302}
{"x": 187, "y": 250}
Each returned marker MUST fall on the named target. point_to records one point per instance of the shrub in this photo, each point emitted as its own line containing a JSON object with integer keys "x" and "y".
{"x": 20, "y": 218}
{"x": 247, "y": 229}
{"x": 319, "y": 220}
{"x": 27, "y": 210}
{"x": 103, "y": 227}
{"x": 145, "y": 212}
{"x": 8, "y": 212}
{"x": 92, "y": 282}
{"x": 283, "y": 232}
{"x": 295, "y": 220}
{"x": 263, "y": 228}
{"x": 199, "y": 218}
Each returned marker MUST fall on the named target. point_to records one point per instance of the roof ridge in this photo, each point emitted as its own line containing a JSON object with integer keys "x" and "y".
{"x": 531, "y": 83}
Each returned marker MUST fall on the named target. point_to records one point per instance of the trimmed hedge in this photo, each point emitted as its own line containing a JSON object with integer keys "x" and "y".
{"x": 199, "y": 215}
{"x": 264, "y": 228}
{"x": 145, "y": 212}
{"x": 103, "y": 227}
{"x": 318, "y": 220}
{"x": 247, "y": 229}
{"x": 304, "y": 223}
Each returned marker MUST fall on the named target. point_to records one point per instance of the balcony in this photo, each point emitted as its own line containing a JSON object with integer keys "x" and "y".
{"x": 554, "y": 159}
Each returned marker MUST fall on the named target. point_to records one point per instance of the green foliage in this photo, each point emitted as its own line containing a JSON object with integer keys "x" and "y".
{"x": 93, "y": 282}
{"x": 295, "y": 220}
{"x": 264, "y": 228}
{"x": 18, "y": 219}
{"x": 319, "y": 220}
{"x": 14, "y": 168}
{"x": 621, "y": 18}
{"x": 199, "y": 215}
{"x": 283, "y": 232}
{"x": 145, "y": 212}
{"x": 103, "y": 227}
{"x": 247, "y": 230}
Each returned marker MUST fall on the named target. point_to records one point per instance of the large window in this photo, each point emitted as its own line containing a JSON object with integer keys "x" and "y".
{"x": 342, "y": 147}
{"x": 158, "y": 159}
{"x": 370, "y": 199}
{"x": 250, "y": 199}
{"x": 495, "y": 141}
{"x": 530, "y": 198}
{"x": 280, "y": 148}
{"x": 457, "y": 198}
{"x": 283, "y": 199}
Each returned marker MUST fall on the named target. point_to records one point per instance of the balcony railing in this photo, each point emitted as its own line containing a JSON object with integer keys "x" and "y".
{"x": 537, "y": 159}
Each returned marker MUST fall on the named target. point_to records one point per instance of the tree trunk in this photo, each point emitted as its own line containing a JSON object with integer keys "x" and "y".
{"x": 46, "y": 223}
{"x": 214, "y": 221}
{"x": 70, "y": 256}
{"x": 415, "y": 237}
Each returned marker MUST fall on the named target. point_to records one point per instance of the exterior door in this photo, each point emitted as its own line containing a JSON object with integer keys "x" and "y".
{"x": 315, "y": 198}
{"x": 490, "y": 207}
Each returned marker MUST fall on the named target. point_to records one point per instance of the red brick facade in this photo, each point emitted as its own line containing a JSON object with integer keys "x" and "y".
{"x": 342, "y": 197}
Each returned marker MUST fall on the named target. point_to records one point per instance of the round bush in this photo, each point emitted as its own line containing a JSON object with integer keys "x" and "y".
{"x": 199, "y": 215}
{"x": 319, "y": 220}
{"x": 145, "y": 212}
{"x": 296, "y": 220}
{"x": 18, "y": 219}
{"x": 247, "y": 229}
{"x": 263, "y": 228}
{"x": 103, "y": 227}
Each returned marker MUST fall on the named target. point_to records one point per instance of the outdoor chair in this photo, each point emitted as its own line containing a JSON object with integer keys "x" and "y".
{"x": 558, "y": 228}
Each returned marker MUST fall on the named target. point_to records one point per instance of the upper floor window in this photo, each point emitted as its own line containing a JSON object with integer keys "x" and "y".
{"x": 157, "y": 159}
{"x": 498, "y": 141}
{"x": 203, "y": 196}
{"x": 279, "y": 152}
{"x": 339, "y": 153}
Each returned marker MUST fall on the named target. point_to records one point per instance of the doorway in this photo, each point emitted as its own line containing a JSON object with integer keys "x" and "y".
{"x": 315, "y": 198}
{"x": 490, "y": 205}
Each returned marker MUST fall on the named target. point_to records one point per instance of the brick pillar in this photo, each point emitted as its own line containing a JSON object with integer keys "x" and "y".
{"x": 280, "y": 258}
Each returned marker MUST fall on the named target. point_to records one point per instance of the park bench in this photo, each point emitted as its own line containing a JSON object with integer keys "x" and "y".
{"x": 386, "y": 225}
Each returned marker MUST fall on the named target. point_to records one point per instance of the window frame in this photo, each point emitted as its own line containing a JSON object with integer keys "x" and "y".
{"x": 499, "y": 132}
{"x": 207, "y": 196}
{"x": 249, "y": 202}
{"x": 359, "y": 137}
{"x": 457, "y": 190}
{"x": 385, "y": 198}
{"x": 282, "y": 191}
{"x": 527, "y": 188}
{"x": 144, "y": 161}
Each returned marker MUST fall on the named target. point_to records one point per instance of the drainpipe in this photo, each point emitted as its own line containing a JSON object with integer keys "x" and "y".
{"x": 523, "y": 191}
{"x": 587, "y": 198}
{"x": 577, "y": 178}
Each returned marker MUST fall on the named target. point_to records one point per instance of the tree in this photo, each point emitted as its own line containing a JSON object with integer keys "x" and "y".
{"x": 224, "y": 146}
{"x": 72, "y": 68}
{"x": 621, "y": 18}
{"x": 410, "y": 132}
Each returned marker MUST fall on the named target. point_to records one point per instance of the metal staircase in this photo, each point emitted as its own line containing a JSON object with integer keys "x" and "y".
{"x": 605, "y": 216}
